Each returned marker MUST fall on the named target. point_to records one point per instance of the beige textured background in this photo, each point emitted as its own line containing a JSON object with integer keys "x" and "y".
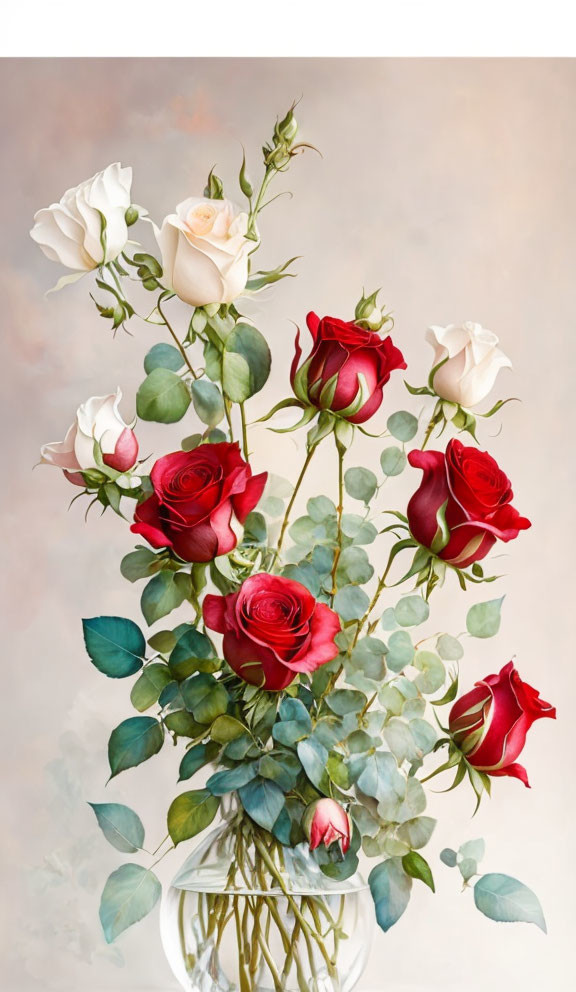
{"x": 450, "y": 184}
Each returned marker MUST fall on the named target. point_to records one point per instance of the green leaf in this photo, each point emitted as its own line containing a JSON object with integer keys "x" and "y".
{"x": 140, "y": 564}
{"x": 313, "y": 758}
{"x": 121, "y": 826}
{"x": 196, "y": 758}
{"x": 163, "y": 397}
{"x": 379, "y": 776}
{"x": 205, "y": 697}
{"x": 402, "y": 425}
{"x": 232, "y": 779}
{"x": 263, "y": 800}
{"x": 320, "y": 508}
{"x": 129, "y": 894}
{"x": 190, "y": 653}
{"x": 245, "y": 363}
{"x": 343, "y": 701}
{"x": 360, "y": 483}
{"x": 208, "y": 402}
{"x": 160, "y": 596}
{"x": 483, "y": 619}
{"x": 183, "y": 724}
{"x": 393, "y": 461}
{"x": 351, "y": 602}
{"x": 449, "y": 648}
{"x": 400, "y": 650}
{"x": 433, "y": 673}
{"x": 473, "y": 849}
{"x": 226, "y": 728}
{"x": 507, "y": 900}
{"x": 146, "y": 690}
{"x": 134, "y": 741}
{"x": 417, "y": 867}
{"x": 411, "y": 611}
{"x": 116, "y": 646}
{"x": 353, "y": 567}
{"x": 191, "y": 813}
{"x": 163, "y": 356}
{"x": 417, "y": 832}
{"x": 449, "y": 857}
{"x": 468, "y": 867}
{"x": 390, "y": 887}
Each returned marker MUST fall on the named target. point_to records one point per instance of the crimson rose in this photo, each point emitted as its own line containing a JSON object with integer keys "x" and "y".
{"x": 491, "y": 721}
{"x": 273, "y": 628}
{"x": 472, "y": 493}
{"x": 195, "y": 494}
{"x": 346, "y": 369}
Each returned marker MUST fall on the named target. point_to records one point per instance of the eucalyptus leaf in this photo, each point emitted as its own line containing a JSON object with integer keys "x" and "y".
{"x": 130, "y": 893}
{"x": 393, "y": 461}
{"x": 163, "y": 356}
{"x": 507, "y": 900}
{"x": 263, "y": 800}
{"x": 121, "y": 826}
{"x": 483, "y": 619}
{"x": 351, "y": 602}
{"x": 245, "y": 362}
{"x": 402, "y": 425}
{"x": 390, "y": 887}
{"x": 208, "y": 402}
{"x": 163, "y": 397}
{"x": 360, "y": 483}
{"x": 411, "y": 611}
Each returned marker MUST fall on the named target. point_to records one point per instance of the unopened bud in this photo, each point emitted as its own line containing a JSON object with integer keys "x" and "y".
{"x": 131, "y": 215}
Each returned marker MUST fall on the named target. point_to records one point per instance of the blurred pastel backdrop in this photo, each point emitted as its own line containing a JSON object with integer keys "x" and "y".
{"x": 450, "y": 184}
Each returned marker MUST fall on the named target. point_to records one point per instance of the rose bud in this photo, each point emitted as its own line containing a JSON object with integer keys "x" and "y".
{"x": 71, "y": 231}
{"x": 489, "y": 724}
{"x": 346, "y": 370}
{"x": 195, "y": 495}
{"x": 326, "y": 822}
{"x": 273, "y": 628}
{"x": 471, "y": 361}
{"x": 205, "y": 251}
{"x": 471, "y": 493}
{"x": 97, "y": 420}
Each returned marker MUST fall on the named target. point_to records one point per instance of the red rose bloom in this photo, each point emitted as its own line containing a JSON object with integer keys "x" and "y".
{"x": 474, "y": 495}
{"x": 346, "y": 369}
{"x": 273, "y": 628}
{"x": 195, "y": 494}
{"x": 491, "y": 721}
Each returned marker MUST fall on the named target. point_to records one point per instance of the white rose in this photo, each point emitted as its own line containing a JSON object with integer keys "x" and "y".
{"x": 205, "y": 251}
{"x": 98, "y": 419}
{"x": 474, "y": 360}
{"x": 70, "y": 232}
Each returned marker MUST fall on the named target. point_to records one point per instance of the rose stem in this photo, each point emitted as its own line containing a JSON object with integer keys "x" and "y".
{"x": 244, "y": 980}
{"x": 244, "y": 432}
{"x": 340, "y": 509}
{"x": 291, "y": 502}
{"x": 177, "y": 342}
{"x": 228, "y": 412}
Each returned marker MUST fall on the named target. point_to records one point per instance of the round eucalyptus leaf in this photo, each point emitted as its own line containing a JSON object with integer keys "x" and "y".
{"x": 360, "y": 483}
{"x": 163, "y": 397}
{"x": 393, "y": 461}
{"x": 163, "y": 356}
{"x": 208, "y": 402}
{"x": 402, "y": 425}
{"x": 411, "y": 611}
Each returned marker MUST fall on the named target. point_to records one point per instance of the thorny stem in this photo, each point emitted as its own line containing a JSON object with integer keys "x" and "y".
{"x": 177, "y": 341}
{"x": 339, "y": 510}
{"x": 428, "y": 433}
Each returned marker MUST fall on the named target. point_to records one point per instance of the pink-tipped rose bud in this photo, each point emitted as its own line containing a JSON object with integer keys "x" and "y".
{"x": 326, "y": 822}
{"x": 489, "y": 724}
{"x": 98, "y": 424}
{"x": 346, "y": 370}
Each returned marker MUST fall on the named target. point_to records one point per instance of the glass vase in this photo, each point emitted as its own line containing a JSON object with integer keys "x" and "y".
{"x": 246, "y": 914}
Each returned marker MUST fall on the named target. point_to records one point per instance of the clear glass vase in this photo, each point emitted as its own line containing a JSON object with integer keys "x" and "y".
{"x": 245, "y": 914}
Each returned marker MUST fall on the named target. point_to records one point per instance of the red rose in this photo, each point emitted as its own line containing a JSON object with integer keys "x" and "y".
{"x": 473, "y": 494}
{"x": 326, "y": 822}
{"x": 195, "y": 494}
{"x": 346, "y": 369}
{"x": 491, "y": 721}
{"x": 273, "y": 628}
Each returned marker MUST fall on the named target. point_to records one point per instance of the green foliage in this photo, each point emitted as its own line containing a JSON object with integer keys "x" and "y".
{"x": 400, "y": 650}
{"x": 411, "y": 611}
{"x": 196, "y": 758}
{"x": 191, "y": 813}
{"x": 231, "y": 779}
{"x": 313, "y": 758}
{"x": 132, "y": 742}
{"x": 449, "y": 648}
{"x": 393, "y": 461}
{"x": 417, "y": 867}
{"x": 245, "y": 363}
{"x": 130, "y": 893}
{"x": 193, "y": 652}
{"x": 205, "y": 697}
{"x": 164, "y": 593}
{"x": 208, "y": 402}
{"x": 121, "y": 826}
{"x": 351, "y": 602}
{"x": 116, "y": 646}
{"x": 449, "y": 857}
{"x": 402, "y": 425}
{"x": 390, "y": 887}
{"x": 163, "y": 397}
{"x": 507, "y": 900}
{"x": 146, "y": 690}
{"x": 263, "y": 800}
{"x": 226, "y": 728}
{"x": 163, "y": 356}
{"x": 483, "y": 619}
{"x": 360, "y": 483}
{"x": 183, "y": 724}
{"x": 140, "y": 564}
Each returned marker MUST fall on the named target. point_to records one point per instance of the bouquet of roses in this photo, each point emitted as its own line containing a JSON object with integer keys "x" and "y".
{"x": 298, "y": 674}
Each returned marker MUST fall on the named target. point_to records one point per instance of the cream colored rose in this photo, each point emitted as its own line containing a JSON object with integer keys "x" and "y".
{"x": 474, "y": 360}
{"x": 70, "y": 232}
{"x": 98, "y": 419}
{"x": 205, "y": 251}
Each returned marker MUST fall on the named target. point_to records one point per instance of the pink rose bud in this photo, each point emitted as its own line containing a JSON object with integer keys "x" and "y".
{"x": 489, "y": 724}
{"x": 327, "y": 822}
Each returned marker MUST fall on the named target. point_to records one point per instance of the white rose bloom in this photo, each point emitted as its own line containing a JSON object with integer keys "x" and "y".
{"x": 98, "y": 419}
{"x": 205, "y": 251}
{"x": 474, "y": 360}
{"x": 70, "y": 232}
